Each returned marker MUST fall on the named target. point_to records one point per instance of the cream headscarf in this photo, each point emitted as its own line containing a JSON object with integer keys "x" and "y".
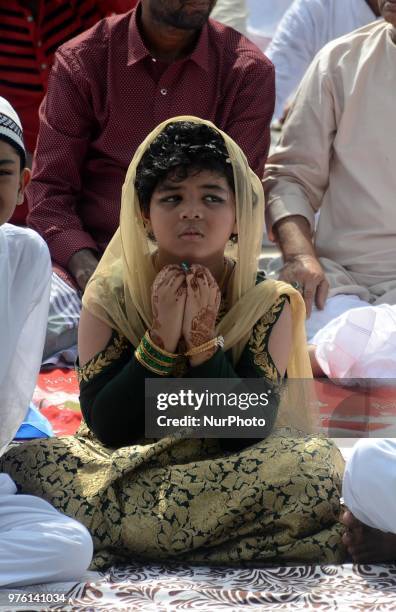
{"x": 119, "y": 293}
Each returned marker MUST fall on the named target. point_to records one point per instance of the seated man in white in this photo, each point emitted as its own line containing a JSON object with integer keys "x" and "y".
{"x": 306, "y": 27}
{"x": 37, "y": 543}
{"x": 337, "y": 154}
{"x": 369, "y": 491}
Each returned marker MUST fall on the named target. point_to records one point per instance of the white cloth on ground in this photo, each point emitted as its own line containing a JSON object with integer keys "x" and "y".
{"x": 369, "y": 485}
{"x": 25, "y": 273}
{"x": 306, "y": 27}
{"x": 232, "y": 13}
{"x": 334, "y": 308}
{"x": 361, "y": 343}
{"x": 37, "y": 543}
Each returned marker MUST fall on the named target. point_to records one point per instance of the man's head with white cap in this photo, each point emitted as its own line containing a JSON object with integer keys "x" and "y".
{"x": 13, "y": 174}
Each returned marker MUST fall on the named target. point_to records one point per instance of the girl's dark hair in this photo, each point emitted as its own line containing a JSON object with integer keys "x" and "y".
{"x": 181, "y": 149}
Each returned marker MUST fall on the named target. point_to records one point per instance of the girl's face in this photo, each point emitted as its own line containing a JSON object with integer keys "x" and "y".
{"x": 192, "y": 219}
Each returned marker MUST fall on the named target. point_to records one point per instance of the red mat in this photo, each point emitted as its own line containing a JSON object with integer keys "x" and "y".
{"x": 344, "y": 412}
{"x": 57, "y": 397}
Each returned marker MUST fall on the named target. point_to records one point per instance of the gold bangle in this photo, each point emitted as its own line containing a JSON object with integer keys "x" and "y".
{"x": 157, "y": 348}
{"x": 148, "y": 366}
{"x": 206, "y": 346}
{"x": 144, "y": 353}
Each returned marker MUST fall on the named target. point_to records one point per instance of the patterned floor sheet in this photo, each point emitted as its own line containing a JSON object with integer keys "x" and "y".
{"x": 164, "y": 588}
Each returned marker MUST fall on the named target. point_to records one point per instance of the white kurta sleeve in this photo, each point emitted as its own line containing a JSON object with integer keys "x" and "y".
{"x": 25, "y": 272}
{"x": 294, "y": 46}
{"x": 297, "y": 173}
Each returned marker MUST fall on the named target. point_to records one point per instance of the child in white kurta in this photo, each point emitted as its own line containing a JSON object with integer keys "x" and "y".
{"x": 37, "y": 543}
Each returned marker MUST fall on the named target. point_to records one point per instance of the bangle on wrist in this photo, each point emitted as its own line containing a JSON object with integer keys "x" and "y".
{"x": 154, "y": 358}
{"x": 153, "y": 349}
{"x": 206, "y": 346}
{"x": 151, "y": 365}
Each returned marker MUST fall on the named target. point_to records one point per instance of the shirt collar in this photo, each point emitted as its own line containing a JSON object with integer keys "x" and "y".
{"x": 136, "y": 47}
{"x": 200, "y": 55}
{"x": 138, "y": 51}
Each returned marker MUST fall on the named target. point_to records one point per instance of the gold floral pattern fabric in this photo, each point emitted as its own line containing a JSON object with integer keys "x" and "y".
{"x": 275, "y": 502}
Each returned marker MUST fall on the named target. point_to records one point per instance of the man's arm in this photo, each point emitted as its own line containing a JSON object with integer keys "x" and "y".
{"x": 297, "y": 177}
{"x": 250, "y": 98}
{"x": 300, "y": 262}
{"x": 66, "y": 125}
{"x": 294, "y": 46}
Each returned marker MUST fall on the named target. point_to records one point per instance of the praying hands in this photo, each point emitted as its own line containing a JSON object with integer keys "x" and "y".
{"x": 185, "y": 305}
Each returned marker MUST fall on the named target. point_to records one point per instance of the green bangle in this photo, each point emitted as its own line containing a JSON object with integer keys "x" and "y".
{"x": 147, "y": 355}
{"x": 147, "y": 359}
{"x": 153, "y": 349}
{"x": 151, "y": 365}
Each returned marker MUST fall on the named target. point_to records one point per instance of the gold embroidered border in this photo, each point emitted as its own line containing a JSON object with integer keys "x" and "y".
{"x": 258, "y": 343}
{"x": 95, "y": 366}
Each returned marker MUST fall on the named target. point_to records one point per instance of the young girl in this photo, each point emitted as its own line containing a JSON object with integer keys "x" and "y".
{"x": 165, "y": 295}
{"x": 185, "y": 211}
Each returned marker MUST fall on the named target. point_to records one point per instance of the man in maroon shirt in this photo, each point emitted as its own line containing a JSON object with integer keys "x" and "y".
{"x": 109, "y": 87}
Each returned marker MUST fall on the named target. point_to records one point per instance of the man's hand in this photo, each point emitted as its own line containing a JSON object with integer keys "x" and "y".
{"x": 82, "y": 265}
{"x": 301, "y": 265}
{"x": 168, "y": 299}
{"x": 308, "y": 273}
{"x": 202, "y": 306}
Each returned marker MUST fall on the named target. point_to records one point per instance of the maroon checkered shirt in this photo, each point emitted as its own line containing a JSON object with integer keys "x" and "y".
{"x": 106, "y": 93}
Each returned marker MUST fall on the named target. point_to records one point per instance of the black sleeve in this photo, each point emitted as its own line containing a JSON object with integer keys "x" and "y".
{"x": 112, "y": 388}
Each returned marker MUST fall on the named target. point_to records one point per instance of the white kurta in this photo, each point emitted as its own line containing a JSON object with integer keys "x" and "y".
{"x": 306, "y": 27}
{"x": 25, "y": 276}
{"x": 37, "y": 543}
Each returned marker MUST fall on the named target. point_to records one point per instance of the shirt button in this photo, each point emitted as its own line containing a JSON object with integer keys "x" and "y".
{"x": 43, "y": 66}
{"x": 39, "y": 43}
{"x": 164, "y": 91}
{"x": 153, "y": 59}
{"x": 30, "y": 18}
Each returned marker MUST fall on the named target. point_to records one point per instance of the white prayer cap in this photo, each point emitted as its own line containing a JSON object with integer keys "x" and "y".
{"x": 11, "y": 127}
{"x": 369, "y": 483}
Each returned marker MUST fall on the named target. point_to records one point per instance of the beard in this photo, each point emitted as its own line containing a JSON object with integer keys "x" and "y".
{"x": 185, "y": 17}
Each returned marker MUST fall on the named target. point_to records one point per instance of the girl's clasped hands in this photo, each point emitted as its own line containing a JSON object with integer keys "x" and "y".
{"x": 185, "y": 303}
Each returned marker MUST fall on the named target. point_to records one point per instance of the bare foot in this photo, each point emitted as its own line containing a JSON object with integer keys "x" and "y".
{"x": 366, "y": 544}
